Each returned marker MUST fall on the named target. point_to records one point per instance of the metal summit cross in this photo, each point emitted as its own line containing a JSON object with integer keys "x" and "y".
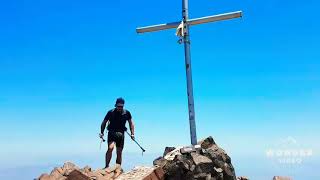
{"x": 183, "y": 32}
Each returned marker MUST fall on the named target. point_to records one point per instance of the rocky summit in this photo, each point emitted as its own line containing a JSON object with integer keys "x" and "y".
{"x": 205, "y": 161}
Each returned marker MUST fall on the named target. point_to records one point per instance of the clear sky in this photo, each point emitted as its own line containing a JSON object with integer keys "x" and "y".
{"x": 63, "y": 64}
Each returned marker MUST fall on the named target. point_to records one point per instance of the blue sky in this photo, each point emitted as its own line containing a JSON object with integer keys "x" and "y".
{"x": 63, "y": 64}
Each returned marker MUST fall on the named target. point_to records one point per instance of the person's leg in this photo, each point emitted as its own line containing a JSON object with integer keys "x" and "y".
{"x": 119, "y": 145}
{"x": 119, "y": 155}
{"x": 109, "y": 153}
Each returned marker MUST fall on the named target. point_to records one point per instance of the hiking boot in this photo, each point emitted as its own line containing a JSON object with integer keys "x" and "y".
{"x": 107, "y": 170}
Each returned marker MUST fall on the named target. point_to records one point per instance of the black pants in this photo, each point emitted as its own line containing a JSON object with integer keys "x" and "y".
{"x": 117, "y": 137}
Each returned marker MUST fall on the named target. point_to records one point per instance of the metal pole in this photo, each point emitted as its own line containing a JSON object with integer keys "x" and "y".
{"x": 186, "y": 41}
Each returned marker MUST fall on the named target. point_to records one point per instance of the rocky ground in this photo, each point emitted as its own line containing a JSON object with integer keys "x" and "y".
{"x": 205, "y": 161}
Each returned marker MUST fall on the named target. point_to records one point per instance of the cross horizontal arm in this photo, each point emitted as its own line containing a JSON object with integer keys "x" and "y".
{"x": 158, "y": 27}
{"x": 195, "y": 21}
{"x": 214, "y": 18}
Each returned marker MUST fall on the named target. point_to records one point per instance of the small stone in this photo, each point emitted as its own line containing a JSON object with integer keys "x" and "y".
{"x": 242, "y": 178}
{"x": 94, "y": 175}
{"x": 218, "y": 170}
{"x": 207, "y": 143}
{"x": 281, "y": 178}
{"x": 87, "y": 169}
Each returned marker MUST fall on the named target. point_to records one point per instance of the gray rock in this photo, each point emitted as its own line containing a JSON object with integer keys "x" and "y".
{"x": 242, "y": 178}
{"x": 203, "y": 164}
{"x": 167, "y": 150}
{"x": 202, "y": 176}
{"x": 220, "y": 176}
{"x": 184, "y": 162}
{"x": 221, "y": 160}
{"x": 200, "y": 159}
{"x": 228, "y": 172}
{"x": 218, "y": 170}
{"x": 207, "y": 143}
{"x": 172, "y": 171}
{"x": 160, "y": 161}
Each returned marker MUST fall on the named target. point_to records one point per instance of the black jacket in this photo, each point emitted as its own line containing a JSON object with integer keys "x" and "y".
{"x": 117, "y": 120}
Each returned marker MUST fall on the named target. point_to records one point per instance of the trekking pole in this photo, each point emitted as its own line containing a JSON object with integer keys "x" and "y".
{"x": 143, "y": 150}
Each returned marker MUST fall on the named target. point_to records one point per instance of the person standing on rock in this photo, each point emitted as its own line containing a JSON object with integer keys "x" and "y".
{"x": 116, "y": 119}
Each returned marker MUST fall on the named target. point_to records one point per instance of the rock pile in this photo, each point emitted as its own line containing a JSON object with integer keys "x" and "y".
{"x": 70, "y": 171}
{"x": 205, "y": 161}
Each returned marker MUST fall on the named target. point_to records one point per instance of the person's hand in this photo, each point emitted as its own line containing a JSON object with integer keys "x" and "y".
{"x": 132, "y": 136}
{"x": 101, "y": 135}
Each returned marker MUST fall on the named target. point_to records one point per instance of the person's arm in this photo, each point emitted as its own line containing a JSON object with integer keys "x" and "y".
{"x": 104, "y": 122}
{"x": 131, "y": 125}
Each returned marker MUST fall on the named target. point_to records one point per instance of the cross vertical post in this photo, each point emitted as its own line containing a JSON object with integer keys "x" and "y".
{"x": 186, "y": 41}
